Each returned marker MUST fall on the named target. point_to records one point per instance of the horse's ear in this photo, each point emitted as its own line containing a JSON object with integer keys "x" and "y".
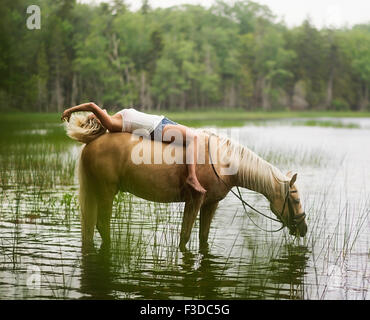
{"x": 293, "y": 180}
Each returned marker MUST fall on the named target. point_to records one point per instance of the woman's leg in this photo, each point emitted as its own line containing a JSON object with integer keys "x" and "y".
{"x": 191, "y": 153}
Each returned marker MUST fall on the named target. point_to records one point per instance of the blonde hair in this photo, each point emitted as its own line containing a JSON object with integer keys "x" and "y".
{"x": 83, "y": 128}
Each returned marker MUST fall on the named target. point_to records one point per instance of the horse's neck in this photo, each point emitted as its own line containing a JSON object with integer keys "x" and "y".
{"x": 258, "y": 175}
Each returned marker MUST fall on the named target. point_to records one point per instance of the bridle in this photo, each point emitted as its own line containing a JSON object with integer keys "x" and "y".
{"x": 294, "y": 220}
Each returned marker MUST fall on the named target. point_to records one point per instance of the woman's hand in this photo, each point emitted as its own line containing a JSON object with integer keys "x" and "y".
{"x": 66, "y": 115}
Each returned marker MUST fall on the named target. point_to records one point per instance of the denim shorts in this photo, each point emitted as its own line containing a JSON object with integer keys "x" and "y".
{"x": 157, "y": 132}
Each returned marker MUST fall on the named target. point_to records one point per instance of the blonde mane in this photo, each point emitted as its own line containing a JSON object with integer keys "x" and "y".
{"x": 253, "y": 172}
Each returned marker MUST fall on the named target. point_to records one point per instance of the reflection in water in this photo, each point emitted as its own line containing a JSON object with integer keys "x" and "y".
{"x": 96, "y": 275}
{"x": 289, "y": 269}
{"x": 199, "y": 276}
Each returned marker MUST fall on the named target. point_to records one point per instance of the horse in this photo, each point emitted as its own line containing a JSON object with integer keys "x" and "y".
{"x": 106, "y": 166}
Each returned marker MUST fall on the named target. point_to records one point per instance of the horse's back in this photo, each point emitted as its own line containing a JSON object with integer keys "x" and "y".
{"x": 114, "y": 159}
{"x": 110, "y": 159}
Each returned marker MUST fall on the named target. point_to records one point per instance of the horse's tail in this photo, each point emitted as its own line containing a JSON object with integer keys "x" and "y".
{"x": 88, "y": 204}
{"x": 83, "y": 128}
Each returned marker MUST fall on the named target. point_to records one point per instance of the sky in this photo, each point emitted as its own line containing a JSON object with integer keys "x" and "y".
{"x": 329, "y": 13}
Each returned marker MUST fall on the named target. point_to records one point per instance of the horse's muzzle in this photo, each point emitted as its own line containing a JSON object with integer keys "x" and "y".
{"x": 299, "y": 230}
{"x": 302, "y": 229}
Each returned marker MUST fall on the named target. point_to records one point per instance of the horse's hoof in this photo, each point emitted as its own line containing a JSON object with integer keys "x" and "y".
{"x": 88, "y": 249}
{"x": 204, "y": 249}
{"x": 182, "y": 248}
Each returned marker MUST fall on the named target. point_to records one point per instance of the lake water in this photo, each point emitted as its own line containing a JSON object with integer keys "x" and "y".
{"x": 40, "y": 245}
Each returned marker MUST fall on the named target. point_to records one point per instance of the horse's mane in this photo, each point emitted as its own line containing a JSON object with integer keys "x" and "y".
{"x": 253, "y": 172}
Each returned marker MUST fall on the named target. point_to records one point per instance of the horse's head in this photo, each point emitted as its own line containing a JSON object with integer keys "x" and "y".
{"x": 288, "y": 208}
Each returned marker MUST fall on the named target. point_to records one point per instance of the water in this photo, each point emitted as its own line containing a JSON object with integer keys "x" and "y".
{"x": 40, "y": 246}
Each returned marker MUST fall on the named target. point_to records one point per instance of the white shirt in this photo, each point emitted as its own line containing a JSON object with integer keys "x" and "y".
{"x": 133, "y": 120}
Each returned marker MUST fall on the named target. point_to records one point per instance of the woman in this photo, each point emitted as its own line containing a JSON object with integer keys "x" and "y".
{"x": 129, "y": 120}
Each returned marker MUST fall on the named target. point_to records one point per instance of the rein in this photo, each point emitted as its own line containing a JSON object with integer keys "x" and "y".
{"x": 292, "y": 218}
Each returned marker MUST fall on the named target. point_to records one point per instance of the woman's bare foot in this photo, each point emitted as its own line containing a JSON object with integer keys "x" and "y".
{"x": 194, "y": 183}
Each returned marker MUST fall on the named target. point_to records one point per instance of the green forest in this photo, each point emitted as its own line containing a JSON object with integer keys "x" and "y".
{"x": 186, "y": 57}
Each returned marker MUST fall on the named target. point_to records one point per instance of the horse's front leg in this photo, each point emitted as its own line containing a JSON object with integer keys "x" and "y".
{"x": 207, "y": 212}
{"x": 191, "y": 209}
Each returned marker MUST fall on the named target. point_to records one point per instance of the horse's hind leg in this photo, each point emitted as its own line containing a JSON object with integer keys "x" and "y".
{"x": 89, "y": 208}
{"x": 190, "y": 213}
{"x": 207, "y": 212}
{"x": 105, "y": 204}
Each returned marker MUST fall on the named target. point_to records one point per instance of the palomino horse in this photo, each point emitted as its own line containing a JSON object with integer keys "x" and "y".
{"x": 106, "y": 166}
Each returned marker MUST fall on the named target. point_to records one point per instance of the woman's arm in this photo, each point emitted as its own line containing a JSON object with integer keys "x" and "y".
{"x": 111, "y": 123}
{"x": 81, "y": 107}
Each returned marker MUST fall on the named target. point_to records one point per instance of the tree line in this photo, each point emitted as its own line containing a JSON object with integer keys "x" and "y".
{"x": 229, "y": 55}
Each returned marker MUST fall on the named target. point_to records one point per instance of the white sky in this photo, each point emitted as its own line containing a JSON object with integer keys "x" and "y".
{"x": 335, "y": 13}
